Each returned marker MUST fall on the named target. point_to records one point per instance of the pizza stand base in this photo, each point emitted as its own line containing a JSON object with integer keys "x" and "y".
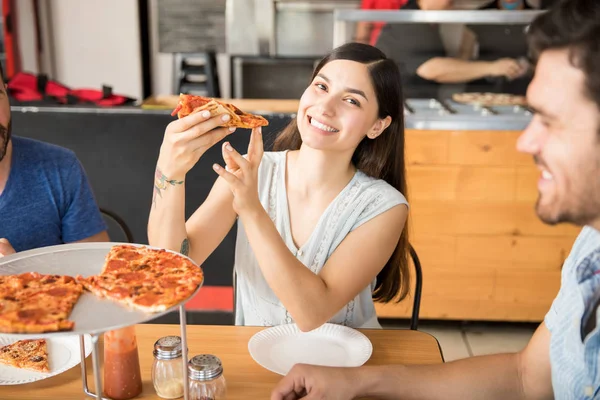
{"x": 91, "y": 315}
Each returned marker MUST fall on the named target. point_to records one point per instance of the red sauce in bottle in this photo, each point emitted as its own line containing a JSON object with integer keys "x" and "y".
{"x": 122, "y": 375}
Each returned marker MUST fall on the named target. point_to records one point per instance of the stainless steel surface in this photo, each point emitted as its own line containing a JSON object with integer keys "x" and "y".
{"x": 342, "y": 18}
{"x": 241, "y": 31}
{"x": 184, "y": 351}
{"x": 186, "y": 26}
{"x": 91, "y": 314}
{"x": 283, "y": 27}
{"x": 167, "y": 348}
{"x": 445, "y": 16}
{"x": 98, "y": 384}
{"x": 307, "y": 28}
{"x": 205, "y": 367}
{"x": 448, "y": 114}
{"x": 264, "y": 19}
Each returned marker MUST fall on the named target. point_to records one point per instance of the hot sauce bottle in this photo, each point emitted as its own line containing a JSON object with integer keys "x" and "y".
{"x": 122, "y": 375}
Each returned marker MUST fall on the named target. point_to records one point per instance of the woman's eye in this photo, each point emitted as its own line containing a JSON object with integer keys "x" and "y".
{"x": 321, "y": 86}
{"x": 353, "y": 102}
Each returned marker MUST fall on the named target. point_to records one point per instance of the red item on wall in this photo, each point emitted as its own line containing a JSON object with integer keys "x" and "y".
{"x": 29, "y": 87}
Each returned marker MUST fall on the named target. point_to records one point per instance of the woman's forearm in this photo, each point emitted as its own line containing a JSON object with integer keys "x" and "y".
{"x": 166, "y": 224}
{"x": 452, "y": 70}
{"x": 301, "y": 291}
{"x": 363, "y": 32}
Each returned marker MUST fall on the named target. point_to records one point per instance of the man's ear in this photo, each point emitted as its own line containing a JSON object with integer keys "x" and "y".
{"x": 379, "y": 126}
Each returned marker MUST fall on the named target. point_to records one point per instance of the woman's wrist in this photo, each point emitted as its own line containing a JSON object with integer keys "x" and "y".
{"x": 252, "y": 214}
{"x": 163, "y": 172}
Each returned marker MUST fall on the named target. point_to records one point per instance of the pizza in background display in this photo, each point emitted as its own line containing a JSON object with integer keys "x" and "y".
{"x": 490, "y": 99}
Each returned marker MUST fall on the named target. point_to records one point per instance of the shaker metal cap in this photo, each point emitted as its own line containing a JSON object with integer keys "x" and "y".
{"x": 167, "y": 348}
{"x": 204, "y": 367}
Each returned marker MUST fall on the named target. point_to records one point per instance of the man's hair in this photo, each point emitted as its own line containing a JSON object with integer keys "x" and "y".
{"x": 573, "y": 25}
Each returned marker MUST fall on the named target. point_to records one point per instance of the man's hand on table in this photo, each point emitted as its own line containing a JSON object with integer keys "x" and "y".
{"x": 311, "y": 382}
{"x": 5, "y": 248}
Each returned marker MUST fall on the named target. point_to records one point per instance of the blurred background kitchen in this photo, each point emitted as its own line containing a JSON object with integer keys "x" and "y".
{"x": 490, "y": 269}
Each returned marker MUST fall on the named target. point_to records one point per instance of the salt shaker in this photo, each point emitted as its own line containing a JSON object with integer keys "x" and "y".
{"x": 167, "y": 374}
{"x": 206, "y": 378}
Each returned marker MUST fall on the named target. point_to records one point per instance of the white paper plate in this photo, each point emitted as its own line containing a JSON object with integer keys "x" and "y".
{"x": 63, "y": 354}
{"x": 280, "y": 347}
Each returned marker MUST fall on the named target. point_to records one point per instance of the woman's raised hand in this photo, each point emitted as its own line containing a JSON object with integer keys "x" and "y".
{"x": 187, "y": 139}
{"x": 242, "y": 173}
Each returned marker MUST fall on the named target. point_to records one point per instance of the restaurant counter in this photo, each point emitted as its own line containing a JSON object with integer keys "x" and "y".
{"x": 485, "y": 254}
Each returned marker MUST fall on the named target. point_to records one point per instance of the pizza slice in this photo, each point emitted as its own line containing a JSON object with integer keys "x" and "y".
{"x": 189, "y": 104}
{"x": 148, "y": 280}
{"x": 38, "y": 303}
{"x": 28, "y": 354}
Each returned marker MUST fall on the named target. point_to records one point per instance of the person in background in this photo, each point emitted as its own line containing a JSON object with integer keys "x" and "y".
{"x": 561, "y": 360}
{"x": 45, "y": 197}
{"x": 368, "y": 32}
{"x": 431, "y": 64}
{"x": 334, "y": 183}
{"x": 463, "y": 68}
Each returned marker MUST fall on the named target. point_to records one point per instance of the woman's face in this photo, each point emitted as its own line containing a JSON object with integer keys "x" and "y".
{"x": 339, "y": 108}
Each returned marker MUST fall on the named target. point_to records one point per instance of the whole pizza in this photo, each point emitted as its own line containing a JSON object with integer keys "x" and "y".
{"x": 138, "y": 277}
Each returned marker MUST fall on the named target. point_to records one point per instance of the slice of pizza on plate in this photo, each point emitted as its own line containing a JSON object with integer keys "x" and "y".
{"x": 29, "y": 354}
{"x": 189, "y": 104}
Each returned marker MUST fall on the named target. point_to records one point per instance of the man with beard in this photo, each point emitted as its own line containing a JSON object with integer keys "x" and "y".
{"x": 562, "y": 360}
{"x": 45, "y": 198}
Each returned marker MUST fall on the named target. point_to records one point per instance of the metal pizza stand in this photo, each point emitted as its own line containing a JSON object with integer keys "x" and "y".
{"x": 91, "y": 315}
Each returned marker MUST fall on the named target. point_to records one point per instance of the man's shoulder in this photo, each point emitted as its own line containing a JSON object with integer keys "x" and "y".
{"x": 32, "y": 150}
{"x": 586, "y": 243}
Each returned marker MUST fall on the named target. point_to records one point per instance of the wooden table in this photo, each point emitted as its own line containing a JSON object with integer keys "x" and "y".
{"x": 245, "y": 378}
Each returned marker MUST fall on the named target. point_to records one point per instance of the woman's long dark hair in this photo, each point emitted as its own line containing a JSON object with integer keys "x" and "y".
{"x": 382, "y": 157}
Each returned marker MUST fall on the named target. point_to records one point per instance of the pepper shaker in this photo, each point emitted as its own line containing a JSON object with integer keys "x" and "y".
{"x": 206, "y": 380}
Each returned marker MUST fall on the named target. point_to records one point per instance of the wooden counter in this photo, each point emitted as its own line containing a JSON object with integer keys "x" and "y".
{"x": 245, "y": 378}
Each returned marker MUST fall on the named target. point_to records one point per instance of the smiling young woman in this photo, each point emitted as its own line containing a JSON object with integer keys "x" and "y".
{"x": 321, "y": 221}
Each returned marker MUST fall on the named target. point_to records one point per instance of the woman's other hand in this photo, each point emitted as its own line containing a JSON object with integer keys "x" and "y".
{"x": 242, "y": 173}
